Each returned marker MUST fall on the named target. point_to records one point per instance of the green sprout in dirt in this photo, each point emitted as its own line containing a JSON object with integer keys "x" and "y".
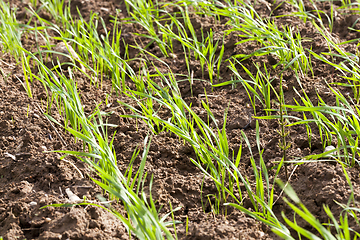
{"x": 59, "y": 10}
{"x": 10, "y": 31}
{"x": 284, "y": 145}
{"x": 282, "y": 117}
{"x": 275, "y": 41}
{"x": 341, "y": 121}
{"x": 258, "y": 88}
{"x": 349, "y": 66}
{"x": 341, "y": 227}
{"x": 145, "y": 14}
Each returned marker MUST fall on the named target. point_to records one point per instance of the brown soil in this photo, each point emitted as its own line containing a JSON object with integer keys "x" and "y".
{"x": 28, "y": 175}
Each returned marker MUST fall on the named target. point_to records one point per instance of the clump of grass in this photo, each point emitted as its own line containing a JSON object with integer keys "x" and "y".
{"x": 258, "y": 88}
{"x": 280, "y": 43}
{"x": 10, "y": 31}
{"x": 143, "y": 218}
{"x": 284, "y": 145}
{"x": 340, "y": 227}
{"x": 340, "y": 121}
{"x": 147, "y": 14}
{"x": 57, "y": 9}
{"x": 349, "y": 66}
{"x": 212, "y": 151}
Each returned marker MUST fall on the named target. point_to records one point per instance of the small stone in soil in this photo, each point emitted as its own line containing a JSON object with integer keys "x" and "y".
{"x": 10, "y": 156}
{"x": 61, "y": 47}
{"x": 42, "y": 148}
{"x": 72, "y": 197}
{"x": 329, "y": 148}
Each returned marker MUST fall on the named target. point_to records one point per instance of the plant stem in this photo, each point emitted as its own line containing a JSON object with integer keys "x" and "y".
{"x": 283, "y": 144}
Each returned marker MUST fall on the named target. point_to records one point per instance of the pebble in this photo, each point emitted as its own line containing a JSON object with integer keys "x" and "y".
{"x": 329, "y": 148}
{"x": 72, "y": 197}
{"x": 174, "y": 56}
{"x": 104, "y": 9}
{"x": 42, "y": 148}
{"x": 33, "y": 204}
{"x": 61, "y": 47}
{"x": 10, "y": 156}
{"x": 47, "y": 220}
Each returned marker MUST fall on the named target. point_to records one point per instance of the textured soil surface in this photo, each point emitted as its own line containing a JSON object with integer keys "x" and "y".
{"x": 31, "y": 178}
